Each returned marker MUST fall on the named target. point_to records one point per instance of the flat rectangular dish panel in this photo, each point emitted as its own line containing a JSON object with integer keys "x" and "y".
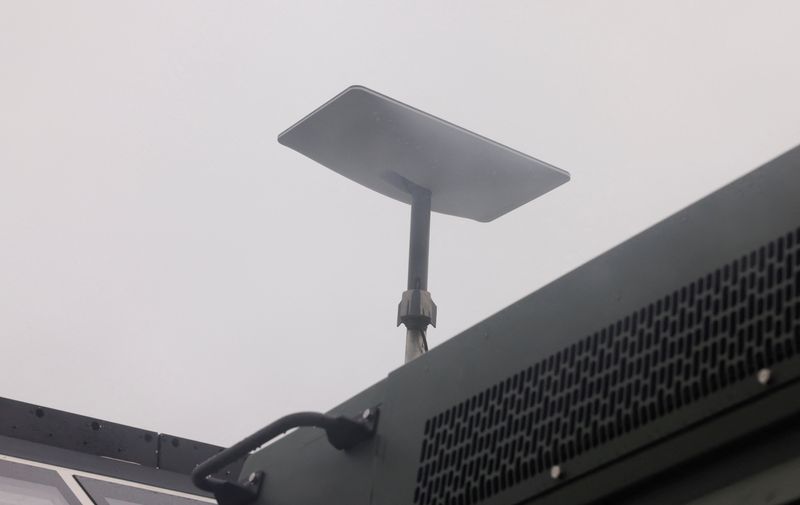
{"x": 383, "y": 144}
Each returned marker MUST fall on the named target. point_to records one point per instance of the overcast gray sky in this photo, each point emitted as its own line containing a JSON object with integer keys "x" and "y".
{"x": 160, "y": 250}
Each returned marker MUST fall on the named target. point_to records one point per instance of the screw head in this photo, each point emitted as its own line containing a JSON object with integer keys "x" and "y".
{"x": 252, "y": 477}
{"x": 764, "y": 376}
{"x": 555, "y": 472}
{"x": 366, "y": 414}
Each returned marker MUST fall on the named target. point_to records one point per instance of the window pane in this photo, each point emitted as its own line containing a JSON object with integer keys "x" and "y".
{"x": 29, "y": 485}
{"x": 110, "y": 493}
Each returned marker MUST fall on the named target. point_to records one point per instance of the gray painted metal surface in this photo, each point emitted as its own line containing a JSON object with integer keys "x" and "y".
{"x": 776, "y": 486}
{"x": 749, "y": 229}
{"x": 94, "y": 445}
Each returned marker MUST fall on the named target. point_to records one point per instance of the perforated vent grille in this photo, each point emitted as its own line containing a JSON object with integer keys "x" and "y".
{"x": 718, "y": 330}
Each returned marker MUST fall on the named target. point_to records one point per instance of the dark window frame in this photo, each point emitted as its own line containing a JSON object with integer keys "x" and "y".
{"x": 38, "y": 475}
{"x": 100, "y": 491}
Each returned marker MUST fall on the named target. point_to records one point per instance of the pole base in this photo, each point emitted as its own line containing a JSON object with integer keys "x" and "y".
{"x": 416, "y": 310}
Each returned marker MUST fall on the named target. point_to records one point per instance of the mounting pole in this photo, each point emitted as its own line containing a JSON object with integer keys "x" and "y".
{"x": 367, "y": 137}
{"x": 417, "y": 310}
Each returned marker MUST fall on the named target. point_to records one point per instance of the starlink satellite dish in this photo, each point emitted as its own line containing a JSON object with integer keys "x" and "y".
{"x": 424, "y": 161}
{"x": 384, "y": 144}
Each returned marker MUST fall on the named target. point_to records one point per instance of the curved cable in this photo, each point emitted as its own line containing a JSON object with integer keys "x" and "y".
{"x": 343, "y": 433}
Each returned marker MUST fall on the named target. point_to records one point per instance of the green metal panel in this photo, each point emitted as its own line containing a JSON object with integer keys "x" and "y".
{"x": 486, "y": 393}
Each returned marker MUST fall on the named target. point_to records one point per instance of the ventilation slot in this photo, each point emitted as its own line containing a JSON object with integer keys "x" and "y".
{"x": 704, "y": 337}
